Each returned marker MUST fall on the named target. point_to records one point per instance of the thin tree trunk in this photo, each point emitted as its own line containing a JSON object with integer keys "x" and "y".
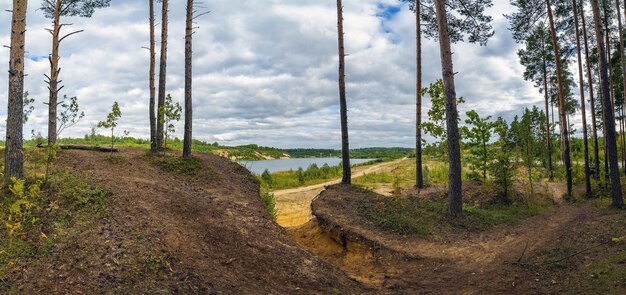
{"x": 153, "y": 123}
{"x": 608, "y": 54}
{"x": 562, "y": 110}
{"x": 162, "y": 76}
{"x": 188, "y": 80}
{"x": 582, "y": 103}
{"x": 545, "y": 92}
{"x": 53, "y": 79}
{"x": 14, "y": 153}
{"x": 622, "y": 128}
{"x": 419, "y": 181}
{"x": 454, "y": 150}
{"x": 609, "y": 120}
{"x": 606, "y": 154}
{"x": 591, "y": 98}
{"x": 345, "y": 143}
{"x": 623, "y": 63}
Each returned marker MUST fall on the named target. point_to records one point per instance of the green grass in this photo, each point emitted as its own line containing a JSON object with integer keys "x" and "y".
{"x": 607, "y": 276}
{"x": 180, "y": 166}
{"x": 421, "y": 217}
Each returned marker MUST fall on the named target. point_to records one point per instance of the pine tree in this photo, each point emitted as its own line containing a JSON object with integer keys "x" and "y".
{"x": 14, "y": 153}
{"x": 55, "y": 10}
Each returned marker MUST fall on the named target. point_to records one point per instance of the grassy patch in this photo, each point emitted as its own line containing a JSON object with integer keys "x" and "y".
{"x": 181, "y": 166}
{"x": 115, "y": 159}
{"x": 423, "y": 217}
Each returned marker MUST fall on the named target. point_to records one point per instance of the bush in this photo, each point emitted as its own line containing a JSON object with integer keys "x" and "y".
{"x": 269, "y": 201}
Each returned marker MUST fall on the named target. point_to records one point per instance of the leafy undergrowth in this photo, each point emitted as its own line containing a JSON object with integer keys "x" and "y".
{"x": 34, "y": 214}
{"x": 415, "y": 215}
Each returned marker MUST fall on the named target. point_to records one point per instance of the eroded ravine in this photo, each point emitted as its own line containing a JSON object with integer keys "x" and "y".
{"x": 415, "y": 265}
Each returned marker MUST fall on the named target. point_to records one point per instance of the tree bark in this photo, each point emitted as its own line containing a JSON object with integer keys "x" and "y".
{"x": 582, "y": 103}
{"x": 53, "y": 79}
{"x": 419, "y": 181}
{"x": 345, "y": 145}
{"x": 153, "y": 123}
{"x": 162, "y": 76}
{"x": 562, "y": 109}
{"x": 188, "y": 81}
{"x": 455, "y": 197}
{"x": 609, "y": 120}
{"x": 545, "y": 92}
{"x": 592, "y": 106}
{"x": 14, "y": 153}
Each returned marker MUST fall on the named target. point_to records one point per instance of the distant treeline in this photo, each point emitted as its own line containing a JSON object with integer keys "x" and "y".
{"x": 243, "y": 152}
{"x": 364, "y": 153}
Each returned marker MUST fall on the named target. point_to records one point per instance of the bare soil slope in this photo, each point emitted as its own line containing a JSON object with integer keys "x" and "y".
{"x": 165, "y": 233}
{"x": 550, "y": 253}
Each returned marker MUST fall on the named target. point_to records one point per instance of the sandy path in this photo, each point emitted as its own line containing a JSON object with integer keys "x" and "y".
{"x": 294, "y": 205}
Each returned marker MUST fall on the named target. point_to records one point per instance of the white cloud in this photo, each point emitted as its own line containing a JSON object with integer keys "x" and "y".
{"x": 265, "y": 71}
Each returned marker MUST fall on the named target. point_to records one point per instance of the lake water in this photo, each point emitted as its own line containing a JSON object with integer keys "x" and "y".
{"x": 293, "y": 164}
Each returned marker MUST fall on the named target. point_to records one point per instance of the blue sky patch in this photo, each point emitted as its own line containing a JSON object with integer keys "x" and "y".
{"x": 37, "y": 58}
{"x": 387, "y": 12}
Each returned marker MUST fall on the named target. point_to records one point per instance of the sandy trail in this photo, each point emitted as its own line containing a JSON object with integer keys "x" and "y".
{"x": 294, "y": 205}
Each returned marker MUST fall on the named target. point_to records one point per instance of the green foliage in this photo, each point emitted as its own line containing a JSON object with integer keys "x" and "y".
{"x": 502, "y": 168}
{"x": 266, "y": 178}
{"x": 426, "y": 217}
{"x": 111, "y": 121}
{"x": 178, "y": 165}
{"x": 169, "y": 113}
{"x": 362, "y": 153}
{"x": 43, "y": 157}
{"x": 32, "y": 214}
{"x": 478, "y": 134}
{"x": 21, "y": 201}
{"x": 436, "y": 124}
{"x": 82, "y": 8}
{"x": 289, "y": 179}
{"x": 269, "y": 201}
{"x": 28, "y": 106}
{"x": 438, "y": 173}
{"x": 525, "y": 134}
{"x": 69, "y": 115}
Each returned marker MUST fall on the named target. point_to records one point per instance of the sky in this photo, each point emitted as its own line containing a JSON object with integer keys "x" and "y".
{"x": 265, "y": 71}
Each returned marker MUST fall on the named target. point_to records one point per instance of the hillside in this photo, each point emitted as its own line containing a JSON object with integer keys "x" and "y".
{"x": 171, "y": 229}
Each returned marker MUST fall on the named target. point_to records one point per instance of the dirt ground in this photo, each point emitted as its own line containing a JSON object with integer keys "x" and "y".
{"x": 294, "y": 205}
{"x": 166, "y": 233}
{"x": 506, "y": 260}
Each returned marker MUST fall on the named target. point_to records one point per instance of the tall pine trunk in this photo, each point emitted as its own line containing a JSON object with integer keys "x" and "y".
{"x": 14, "y": 153}
{"x": 162, "y": 76}
{"x": 455, "y": 194}
{"x": 582, "y": 103}
{"x": 609, "y": 120}
{"x": 53, "y": 79}
{"x": 562, "y": 109}
{"x": 153, "y": 143}
{"x": 188, "y": 80}
{"x": 596, "y": 158}
{"x": 419, "y": 177}
{"x": 545, "y": 93}
{"x": 345, "y": 145}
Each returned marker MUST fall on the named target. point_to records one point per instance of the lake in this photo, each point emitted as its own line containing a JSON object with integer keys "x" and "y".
{"x": 293, "y": 164}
